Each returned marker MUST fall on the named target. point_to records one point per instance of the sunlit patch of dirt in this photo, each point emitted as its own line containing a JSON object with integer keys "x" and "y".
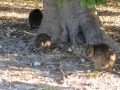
{"x": 110, "y": 17}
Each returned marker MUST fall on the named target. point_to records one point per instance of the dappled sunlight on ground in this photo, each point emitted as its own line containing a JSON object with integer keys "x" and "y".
{"x": 110, "y": 18}
{"x": 17, "y": 69}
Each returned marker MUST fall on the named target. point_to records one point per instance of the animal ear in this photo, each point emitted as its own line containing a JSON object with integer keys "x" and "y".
{"x": 91, "y": 45}
{"x": 84, "y": 45}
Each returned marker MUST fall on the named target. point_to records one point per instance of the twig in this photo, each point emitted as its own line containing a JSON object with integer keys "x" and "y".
{"x": 64, "y": 75}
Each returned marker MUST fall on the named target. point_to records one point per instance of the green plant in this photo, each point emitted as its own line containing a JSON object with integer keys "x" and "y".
{"x": 47, "y": 88}
{"x": 44, "y": 87}
{"x": 89, "y": 3}
{"x": 96, "y": 72}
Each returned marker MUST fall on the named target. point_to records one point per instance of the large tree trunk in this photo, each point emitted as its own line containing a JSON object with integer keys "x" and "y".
{"x": 61, "y": 23}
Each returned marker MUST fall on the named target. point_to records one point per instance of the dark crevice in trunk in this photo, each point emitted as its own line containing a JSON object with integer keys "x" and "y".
{"x": 68, "y": 37}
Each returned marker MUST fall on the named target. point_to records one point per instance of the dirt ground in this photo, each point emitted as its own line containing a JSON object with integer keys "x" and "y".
{"x": 61, "y": 69}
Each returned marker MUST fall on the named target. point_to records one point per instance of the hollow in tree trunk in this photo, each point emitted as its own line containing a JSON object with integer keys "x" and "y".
{"x": 65, "y": 23}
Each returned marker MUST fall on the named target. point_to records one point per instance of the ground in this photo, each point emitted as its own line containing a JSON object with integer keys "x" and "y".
{"x": 18, "y": 68}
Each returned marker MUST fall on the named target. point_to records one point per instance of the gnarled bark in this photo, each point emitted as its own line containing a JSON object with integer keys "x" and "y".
{"x": 61, "y": 23}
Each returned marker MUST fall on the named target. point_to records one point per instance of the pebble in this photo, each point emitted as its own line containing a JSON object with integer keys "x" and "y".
{"x": 23, "y": 44}
{"x": 16, "y": 54}
{"x": 92, "y": 83}
{"x": 88, "y": 71}
{"x": 114, "y": 69}
{"x": 14, "y": 29}
{"x": 69, "y": 49}
{"x": 82, "y": 60}
{"x": 10, "y": 88}
{"x": 8, "y": 28}
{"x": 24, "y": 35}
{"x": 11, "y": 31}
{"x": 14, "y": 36}
{"x": 7, "y": 34}
{"x": 33, "y": 55}
{"x": 0, "y": 46}
{"x": 77, "y": 48}
{"x": 20, "y": 42}
{"x": 36, "y": 63}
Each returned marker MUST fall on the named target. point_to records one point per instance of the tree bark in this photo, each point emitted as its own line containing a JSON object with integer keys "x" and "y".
{"x": 62, "y": 22}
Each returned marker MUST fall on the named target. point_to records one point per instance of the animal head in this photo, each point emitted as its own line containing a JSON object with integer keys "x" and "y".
{"x": 38, "y": 43}
{"x": 88, "y": 50}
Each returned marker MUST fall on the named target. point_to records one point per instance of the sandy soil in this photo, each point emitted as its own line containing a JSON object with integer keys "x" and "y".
{"x": 27, "y": 70}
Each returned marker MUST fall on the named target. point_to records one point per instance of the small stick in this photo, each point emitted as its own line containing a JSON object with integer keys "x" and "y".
{"x": 64, "y": 75}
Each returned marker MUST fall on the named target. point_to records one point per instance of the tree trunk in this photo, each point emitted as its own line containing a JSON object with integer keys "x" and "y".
{"x": 61, "y": 23}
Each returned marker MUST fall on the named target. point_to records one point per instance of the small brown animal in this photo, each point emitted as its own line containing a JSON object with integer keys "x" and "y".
{"x": 43, "y": 42}
{"x": 35, "y": 18}
{"x": 101, "y": 54}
